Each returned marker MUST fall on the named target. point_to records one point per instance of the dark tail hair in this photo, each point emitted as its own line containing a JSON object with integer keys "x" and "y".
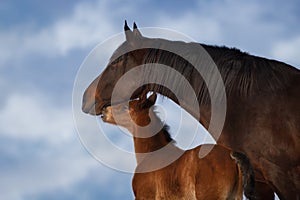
{"x": 247, "y": 172}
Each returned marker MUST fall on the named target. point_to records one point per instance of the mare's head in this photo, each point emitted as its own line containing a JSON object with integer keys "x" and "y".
{"x": 127, "y": 56}
{"x": 135, "y": 112}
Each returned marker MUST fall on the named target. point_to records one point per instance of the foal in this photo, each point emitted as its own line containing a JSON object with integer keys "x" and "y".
{"x": 216, "y": 176}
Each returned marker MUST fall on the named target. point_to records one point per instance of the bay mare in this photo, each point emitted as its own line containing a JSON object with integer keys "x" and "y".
{"x": 263, "y": 110}
{"x": 222, "y": 174}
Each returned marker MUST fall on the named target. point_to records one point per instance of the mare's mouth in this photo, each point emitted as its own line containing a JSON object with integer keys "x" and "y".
{"x": 103, "y": 110}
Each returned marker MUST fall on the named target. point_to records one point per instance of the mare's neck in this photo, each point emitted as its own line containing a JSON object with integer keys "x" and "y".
{"x": 186, "y": 102}
{"x": 184, "y": 80}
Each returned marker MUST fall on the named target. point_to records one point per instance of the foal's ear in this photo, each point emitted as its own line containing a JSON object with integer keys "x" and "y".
{"x": 136, "y": 32}
{"x": 152, "y": 98}
{"x": 148, "y": 102}
{"x": 128, "y": 32}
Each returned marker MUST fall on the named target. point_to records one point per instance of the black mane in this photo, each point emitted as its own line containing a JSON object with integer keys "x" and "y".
{"x": 243, "y": 74}
{"x": 167, "y": 135}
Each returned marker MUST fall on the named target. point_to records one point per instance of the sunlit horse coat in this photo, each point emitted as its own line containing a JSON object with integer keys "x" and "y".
{"x": 216, "y": 176}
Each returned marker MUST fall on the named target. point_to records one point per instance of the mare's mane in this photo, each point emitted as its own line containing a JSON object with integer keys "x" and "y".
{"x": 243, "y": 74}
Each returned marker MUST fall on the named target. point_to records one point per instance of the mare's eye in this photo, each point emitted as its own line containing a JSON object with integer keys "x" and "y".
{"x": 119, "y": 59}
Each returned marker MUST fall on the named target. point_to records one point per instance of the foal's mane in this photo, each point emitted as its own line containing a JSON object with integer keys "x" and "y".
{"x": 167, "y": 135}
{"x": 165, "y": 128}
{"x": 243, "y": 74}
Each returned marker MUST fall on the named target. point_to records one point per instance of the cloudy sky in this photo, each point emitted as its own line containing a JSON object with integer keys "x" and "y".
{"x": 42, "y": 45}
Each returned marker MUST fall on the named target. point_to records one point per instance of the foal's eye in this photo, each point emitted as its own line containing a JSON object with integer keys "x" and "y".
{"x": 125, "y": 107}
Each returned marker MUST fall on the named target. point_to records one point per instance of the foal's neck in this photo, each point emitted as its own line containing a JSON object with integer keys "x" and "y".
{"x": 146, "y": 143}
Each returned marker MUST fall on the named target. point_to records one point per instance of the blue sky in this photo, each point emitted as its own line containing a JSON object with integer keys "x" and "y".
{"x": 42, "y": 45}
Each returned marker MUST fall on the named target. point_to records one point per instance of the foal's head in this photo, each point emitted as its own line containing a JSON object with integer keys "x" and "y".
{"x": 135, "y": 112}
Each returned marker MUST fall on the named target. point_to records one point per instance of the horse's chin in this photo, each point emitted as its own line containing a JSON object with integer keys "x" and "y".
{"x": 94, "y": 112}
{"x": 99, "y": 110}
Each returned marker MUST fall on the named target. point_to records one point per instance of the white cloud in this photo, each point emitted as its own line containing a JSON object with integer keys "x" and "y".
{"x": 46, "y": 152}
{"x": 242, "y": 24}
{"x": 43, "y": 170}
{"x": 86, "y": 26}
{"x": 32, "y": 117}
{"x": 288, "y": 50}
{"x": 55, "y": 159}
{"x": 195, "y": 25}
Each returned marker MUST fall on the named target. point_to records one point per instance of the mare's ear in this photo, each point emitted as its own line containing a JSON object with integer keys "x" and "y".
{"x": 128, "y": 32}
{"x": 133, "y": 37}
{"x": 136, "y": 32}
{"x": 148, "y": 102}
